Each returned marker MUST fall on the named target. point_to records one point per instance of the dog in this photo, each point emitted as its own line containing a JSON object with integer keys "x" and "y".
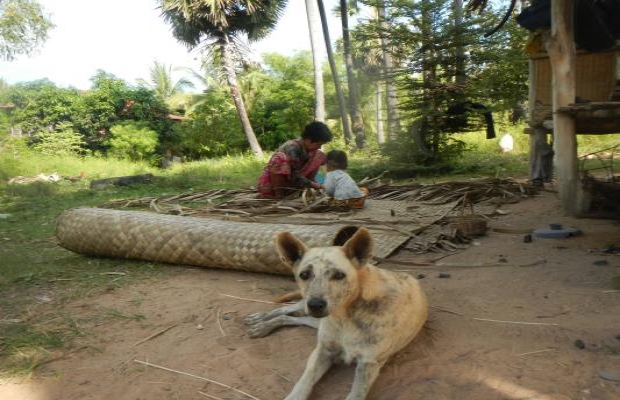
{"x": 363, "y": 314}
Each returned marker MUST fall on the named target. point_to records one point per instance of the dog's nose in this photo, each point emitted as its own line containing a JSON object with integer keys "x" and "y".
{"x": 316, "y": 306}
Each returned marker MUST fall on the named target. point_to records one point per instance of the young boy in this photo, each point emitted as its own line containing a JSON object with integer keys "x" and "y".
{"x": 339, "y": 185}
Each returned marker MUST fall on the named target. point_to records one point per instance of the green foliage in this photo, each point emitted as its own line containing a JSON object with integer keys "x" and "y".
{"x": 23, "y": 27}
{"x": 443, "y": 63}
{"x": 162, "y": 82}
{"x": 285, "y": 102}
{"x": 112, "y": 100}
{"x": 63, "y": 141}
{"x": 40, "y": 105}
{"x": 43, "y": 110}
{"x": 133, "y": 141}
{"x": 213, "y": 129}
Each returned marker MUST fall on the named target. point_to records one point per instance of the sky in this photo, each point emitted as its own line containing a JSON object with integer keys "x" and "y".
{"x": 125, "y": 38}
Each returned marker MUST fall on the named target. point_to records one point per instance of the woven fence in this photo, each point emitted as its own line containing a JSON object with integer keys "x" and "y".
{"x": 193, "y": 241}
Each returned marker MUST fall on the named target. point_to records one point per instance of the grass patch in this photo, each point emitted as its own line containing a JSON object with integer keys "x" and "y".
{"x": 23, "y": 348}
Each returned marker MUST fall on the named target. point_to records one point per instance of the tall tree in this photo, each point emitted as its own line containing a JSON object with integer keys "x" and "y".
{"x": 459, "y": 64}
{"x": 356, "y": 117}
{"x": 162, "y": 82}
{"x": 346, "y": 127}
{"x": 393, "y": 115}
{"x": 220, "y": 26}
{"x": 23, "y": 28}
{"x": 314, "y": 28}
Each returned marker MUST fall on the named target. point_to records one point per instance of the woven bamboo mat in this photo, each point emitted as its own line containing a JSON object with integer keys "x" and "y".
{"x": 194, "y": 241}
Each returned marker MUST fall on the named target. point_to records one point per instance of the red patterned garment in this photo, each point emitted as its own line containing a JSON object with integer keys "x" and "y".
{"x": 294, "y": 163}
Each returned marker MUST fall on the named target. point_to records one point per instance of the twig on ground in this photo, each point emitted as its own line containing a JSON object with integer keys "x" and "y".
{"x": 10, "y": 321}
{"x": 210, "y": 395}
{"x": 485, "y": 265}
{"x": 397, "y": 262}
{"x": 553, "y": 315}
{"x": 154, "y": 335}
{"x": 515, "y": 322}
{"x": 280, "y": 375}
{"x": 219, "y": 323}
{"x": 246, "y": 299}
{"x": 535, "y": 352}
{"x": 148, "y": 364}
{"x": 446, "y": 310}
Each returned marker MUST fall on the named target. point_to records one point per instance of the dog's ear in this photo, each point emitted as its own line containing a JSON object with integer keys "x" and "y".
{"x": 290, "y": 248}
{"x": 358, "y": 249}
{"x": 344, "y": 234}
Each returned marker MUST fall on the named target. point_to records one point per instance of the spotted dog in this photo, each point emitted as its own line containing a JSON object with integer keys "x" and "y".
{"x": 364, "y": 314}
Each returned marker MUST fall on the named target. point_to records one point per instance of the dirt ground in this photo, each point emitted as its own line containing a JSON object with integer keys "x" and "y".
{"x": 507, "y": 323}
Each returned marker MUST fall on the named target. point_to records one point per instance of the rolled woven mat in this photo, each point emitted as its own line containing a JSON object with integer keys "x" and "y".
{"x": 192, "y": 241}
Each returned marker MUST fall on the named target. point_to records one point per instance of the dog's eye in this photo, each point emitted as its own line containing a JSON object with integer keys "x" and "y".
{"x": 304, "y": 276}
{"x": 339, "y": 275}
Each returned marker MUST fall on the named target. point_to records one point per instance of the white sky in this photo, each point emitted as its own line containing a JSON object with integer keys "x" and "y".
{"x": 125, "y": 37}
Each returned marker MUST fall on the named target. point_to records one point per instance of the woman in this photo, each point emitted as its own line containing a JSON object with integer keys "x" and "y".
{"x": 294, "y": 165}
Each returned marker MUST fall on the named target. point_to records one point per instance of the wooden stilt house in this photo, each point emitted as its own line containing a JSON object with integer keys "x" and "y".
{"x": 595, "y": 109}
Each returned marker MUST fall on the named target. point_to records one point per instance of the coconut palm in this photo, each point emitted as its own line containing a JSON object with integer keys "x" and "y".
{"x": 356, "y": 117}
{"x": 314, "y": 27}
{"x": 220, "y": 26}
{"x": 346, "y": 127}
{"x": 162, "y": 82}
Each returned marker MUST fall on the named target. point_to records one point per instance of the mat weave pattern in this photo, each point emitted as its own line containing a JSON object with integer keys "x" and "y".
{"x": 192, "y": 241}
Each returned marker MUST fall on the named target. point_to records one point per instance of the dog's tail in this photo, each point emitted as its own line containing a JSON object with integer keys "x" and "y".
{"x": 290, "y": 296}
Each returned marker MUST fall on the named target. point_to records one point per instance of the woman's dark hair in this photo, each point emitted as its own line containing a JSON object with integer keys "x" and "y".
{"x": 337, "y": 159}
{"x": 317, "y": 132}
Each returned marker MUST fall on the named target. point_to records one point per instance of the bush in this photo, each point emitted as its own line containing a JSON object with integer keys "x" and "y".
{"x": 132, "y": 140}
{"x": 62, "y": 142}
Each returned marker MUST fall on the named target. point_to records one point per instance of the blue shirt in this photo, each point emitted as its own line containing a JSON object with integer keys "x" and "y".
{"x": 339, "y": 185}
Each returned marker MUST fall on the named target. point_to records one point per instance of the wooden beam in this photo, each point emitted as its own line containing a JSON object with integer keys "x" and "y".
{"x": 562, "y": 56}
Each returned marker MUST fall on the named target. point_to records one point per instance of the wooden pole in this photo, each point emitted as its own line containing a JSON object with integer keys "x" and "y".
{"x": 561, "y": 50}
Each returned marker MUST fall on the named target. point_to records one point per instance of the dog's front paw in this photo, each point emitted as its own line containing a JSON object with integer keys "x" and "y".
{"x": 254, "y": 318}
{"x": 259, "y": 330}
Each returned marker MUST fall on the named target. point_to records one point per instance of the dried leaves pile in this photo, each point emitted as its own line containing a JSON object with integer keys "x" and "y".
{"x": 483, "y": 196}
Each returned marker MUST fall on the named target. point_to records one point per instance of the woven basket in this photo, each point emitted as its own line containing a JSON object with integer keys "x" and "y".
{"x": 191, "y": 241}
{"x": 470, "y": 224}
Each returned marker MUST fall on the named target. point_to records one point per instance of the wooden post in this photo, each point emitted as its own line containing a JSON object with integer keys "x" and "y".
{"x": 561, "y": 50}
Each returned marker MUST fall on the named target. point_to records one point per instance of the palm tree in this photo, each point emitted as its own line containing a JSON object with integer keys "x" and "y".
{"x": 220, "y": 27}
{"x": 356, "y": 118}
{"x": 346, "y": 127}
{"x": 314, "y": 27}
{"x": 162, "y": 82}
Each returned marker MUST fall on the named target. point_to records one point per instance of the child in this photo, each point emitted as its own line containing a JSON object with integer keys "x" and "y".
{"x": 339, "y": 185}
{"x": 295, "y": 164}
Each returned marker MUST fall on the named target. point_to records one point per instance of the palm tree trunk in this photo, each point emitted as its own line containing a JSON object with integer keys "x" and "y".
{"x": 393, "y": 115}
{"x": 312, "y": 13}
{"x": 346, "y": 128}
{"x": 356, "y": 117}
{"x": 231, "y": 78}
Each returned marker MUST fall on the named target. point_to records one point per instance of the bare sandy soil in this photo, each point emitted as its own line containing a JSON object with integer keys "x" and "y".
{"x": 507, "y": 323}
